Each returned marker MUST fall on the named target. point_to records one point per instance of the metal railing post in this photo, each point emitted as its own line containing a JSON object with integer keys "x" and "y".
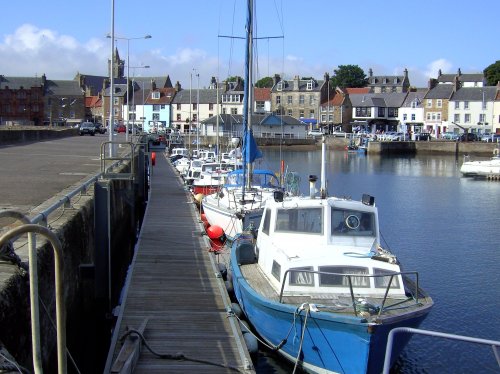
{"x": 33, "y": 279}
{"x": 58, "y": 265}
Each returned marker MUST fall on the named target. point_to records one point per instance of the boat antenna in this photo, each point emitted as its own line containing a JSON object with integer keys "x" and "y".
{"x": 323, "y": 167}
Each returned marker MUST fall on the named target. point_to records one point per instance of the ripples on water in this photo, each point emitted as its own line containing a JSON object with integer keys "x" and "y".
{"x": 444, "y": 226}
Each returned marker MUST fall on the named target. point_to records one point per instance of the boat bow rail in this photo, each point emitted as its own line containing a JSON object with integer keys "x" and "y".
{"x": 364, "y": 304}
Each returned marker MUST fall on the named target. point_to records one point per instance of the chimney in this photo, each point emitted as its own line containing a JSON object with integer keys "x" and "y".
{"x": 440, "y": 73}
{"x": 296, "y": 82}
{"x": 327, "y": 77}
{"x": 276, "y": 79}
{"x": 459, "y": 72}
{"x": 370, "y": 72}
{"x": 153, "y": 84}
{"x": 177, "y": 86}
{"x": 44, "y": 79}
{"x": 432, "y": 83}
{"x": 406, "y": 73}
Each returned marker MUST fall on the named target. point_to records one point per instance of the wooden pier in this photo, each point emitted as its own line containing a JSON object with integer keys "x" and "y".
{"x": 174, "y": 295}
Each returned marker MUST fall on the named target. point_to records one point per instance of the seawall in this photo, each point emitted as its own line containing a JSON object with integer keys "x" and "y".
{"x": 12, "y": 135}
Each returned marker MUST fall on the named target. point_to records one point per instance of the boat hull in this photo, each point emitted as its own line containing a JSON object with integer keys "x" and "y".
{"x": 332, "y": 342}
{"x": 232, "y": 222}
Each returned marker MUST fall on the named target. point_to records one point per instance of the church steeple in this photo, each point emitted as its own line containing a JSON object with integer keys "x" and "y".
{"x": 118, "y": 66}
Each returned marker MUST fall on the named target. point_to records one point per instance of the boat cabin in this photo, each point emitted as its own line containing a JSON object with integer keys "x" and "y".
{"x": 325, "y": 246}
{"x": 260, "y": 179}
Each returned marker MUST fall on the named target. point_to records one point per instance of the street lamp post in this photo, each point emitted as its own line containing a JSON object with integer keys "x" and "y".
{"x": 133, "y": 97}
{"x": 128, "y": 73}
{"x": 198, "y": 114}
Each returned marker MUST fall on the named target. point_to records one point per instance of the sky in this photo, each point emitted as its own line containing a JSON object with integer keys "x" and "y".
{"x": 189, "y": 39}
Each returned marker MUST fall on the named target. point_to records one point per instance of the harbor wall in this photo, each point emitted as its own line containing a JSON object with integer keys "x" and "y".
{"x": 12, "y": 135}
{"x": 88, "y": 321}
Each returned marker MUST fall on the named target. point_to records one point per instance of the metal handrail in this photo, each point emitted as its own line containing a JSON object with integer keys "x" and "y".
{"x": 351, "y": 288}
{"x": 58, "y": 265}
{"x": 390, "y": 339}
{"x": 33, "y": 279}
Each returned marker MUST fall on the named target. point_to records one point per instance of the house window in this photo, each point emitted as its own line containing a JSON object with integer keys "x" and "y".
{"x": 413, "y": 117}
{"x": 289, "y": 100}
{"x": 482, "y": 119}
{"x": 116, "y": 101}
{"x": 195, "y": 106}
{"x": 467, "y": 118}
{"x": 301, "y": 113}
{"x": 178, "y": 117}
{"x": 155, "y": 95}
{"x": 456, "y": 117}
{"x": 439, "y": 103}
{"x": 278, "y": 100}
{"x": 383, "y": 89}
{"x": 260, "y": 105}
{"x": 457, "y": 104}
{"x": 234, "y": 110}
{"x": 195, "y": 117}
{"x": 156, "y": 108}
{"x": 428, "y": 103}
{"x": 381, "y": 112}
{"x": 363, "y": 112}
{"x": 392, "y": 112}
{"x": 311, "y": 113}
{"x": 309, "y": 86}
{"x": 311, "y": 100}
{"x": 404, "y": 117}
{"x": 156, "y": 116}
{"x": 178, "y": 106}
{"x": 210, "y": 106}
{"x": 289, "y": 112}
{"x": 279, "y": 86}
{"x": 466, "y": 105}
{"x": 301, "y": 100}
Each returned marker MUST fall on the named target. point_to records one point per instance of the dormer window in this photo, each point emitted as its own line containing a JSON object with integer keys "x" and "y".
{"x": 385, "y": 81}
{"x": 309, "y": 85}
{"x": 396, "y": 80}
{"x": 155, "y": 95}
{"x": 279, "y": 86}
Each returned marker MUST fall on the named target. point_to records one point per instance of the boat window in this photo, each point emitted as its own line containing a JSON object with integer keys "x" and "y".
{"x": 301, "y": 220}
{"x": 267, "y": 221}
{"x": 352, "y": 222}
{"x": 301, "y": 278}
{"x": 382, "y": 282}
{"x": 276, "y": 270}
{"x": 336, "y": 277}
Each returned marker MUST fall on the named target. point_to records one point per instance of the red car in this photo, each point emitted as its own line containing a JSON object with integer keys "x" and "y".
{"x": 121, "y": 128}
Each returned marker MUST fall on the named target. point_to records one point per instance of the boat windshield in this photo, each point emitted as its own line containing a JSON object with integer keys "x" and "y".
{"x": 267, "y": 180}
{"x": 347, "y": 222}
{"x": 300, "y": 220}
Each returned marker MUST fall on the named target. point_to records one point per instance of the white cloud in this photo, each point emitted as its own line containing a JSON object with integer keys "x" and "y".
{"x": 443, "y": 64}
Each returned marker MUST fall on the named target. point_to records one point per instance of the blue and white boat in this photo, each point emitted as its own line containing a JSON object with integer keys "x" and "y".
{"x": 317, "y": 286}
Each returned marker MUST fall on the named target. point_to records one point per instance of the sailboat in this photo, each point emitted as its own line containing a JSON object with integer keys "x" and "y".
{"x": 317, "y": 286}
{"x": 238, "y": 205}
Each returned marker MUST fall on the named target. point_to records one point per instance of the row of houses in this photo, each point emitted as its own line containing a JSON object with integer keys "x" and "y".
{"x": 451, "y": 102}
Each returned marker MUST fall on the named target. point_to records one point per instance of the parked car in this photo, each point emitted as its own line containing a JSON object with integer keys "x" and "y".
{"x": 87, "y": 128}
{"x": 449, "y": 136}
{"x": 100, "y": 128}
{"x": 422, "y": 136}
{"x": 468, "y": 137}
{"x": 120, "y": 128}
{"x": 489, "y": 138}
{"x": 315, "y": 132}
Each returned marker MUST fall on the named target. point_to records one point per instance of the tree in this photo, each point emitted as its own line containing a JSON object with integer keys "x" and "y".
{"x": 492, "y": 74}
{"x": 266, "y": 82}
{"x": 349, "y": 76}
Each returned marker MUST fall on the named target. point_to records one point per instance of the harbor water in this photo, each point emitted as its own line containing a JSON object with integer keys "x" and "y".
{"x": 438, "y": 223}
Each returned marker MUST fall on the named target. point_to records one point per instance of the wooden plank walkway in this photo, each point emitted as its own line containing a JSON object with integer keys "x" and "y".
{"x": 173, "y": 284}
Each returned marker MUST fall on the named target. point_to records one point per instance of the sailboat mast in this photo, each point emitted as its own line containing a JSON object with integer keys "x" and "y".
{"x": 247, "y": 103}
